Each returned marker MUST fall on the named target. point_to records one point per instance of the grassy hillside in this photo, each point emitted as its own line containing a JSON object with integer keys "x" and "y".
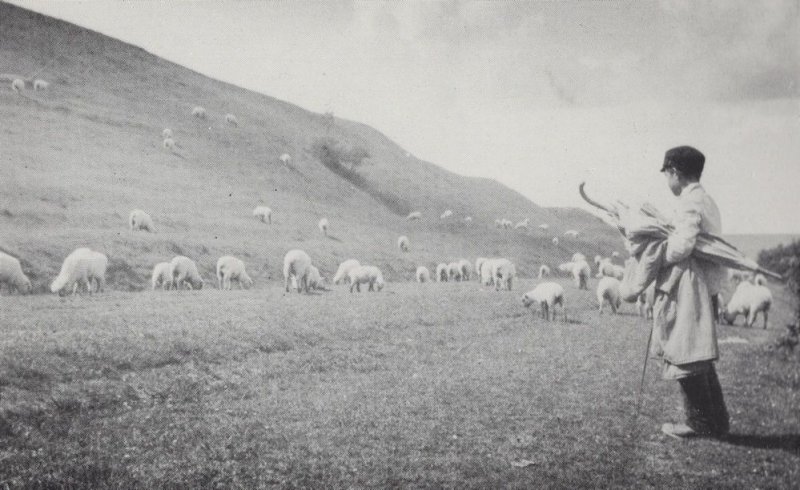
{"x": 79, "y": 156}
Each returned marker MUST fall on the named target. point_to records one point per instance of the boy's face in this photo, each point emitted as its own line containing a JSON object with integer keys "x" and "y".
{"x": 673, "y": 181}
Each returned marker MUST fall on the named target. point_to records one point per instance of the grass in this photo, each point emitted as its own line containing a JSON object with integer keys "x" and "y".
{"x": 438, "y": 385}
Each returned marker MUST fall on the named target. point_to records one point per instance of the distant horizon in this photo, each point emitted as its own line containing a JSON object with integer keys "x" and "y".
{"x": 536, "y": 96}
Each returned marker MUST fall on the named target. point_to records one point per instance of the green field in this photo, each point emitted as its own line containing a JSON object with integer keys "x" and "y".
{"x": 420, "y": 385}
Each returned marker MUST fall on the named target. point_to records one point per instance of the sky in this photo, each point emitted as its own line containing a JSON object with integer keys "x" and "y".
{"x": 538, "y": 95}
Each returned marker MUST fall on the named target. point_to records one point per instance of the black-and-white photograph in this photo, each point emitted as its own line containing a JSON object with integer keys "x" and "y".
{"x": 399, "y": 244}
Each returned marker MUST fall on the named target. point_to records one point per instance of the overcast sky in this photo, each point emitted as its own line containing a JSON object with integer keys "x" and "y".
{"x": 538, "y": 95}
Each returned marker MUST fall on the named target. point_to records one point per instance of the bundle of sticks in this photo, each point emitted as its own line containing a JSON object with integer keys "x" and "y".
{"x": 648, "y": 221}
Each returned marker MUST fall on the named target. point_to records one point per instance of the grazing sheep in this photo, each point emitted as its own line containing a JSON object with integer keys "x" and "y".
{"x": 478, "y": 263}
{"x": 466, "y": 269}
{"x": 168, "y": 144}
{"x": 315, "y": 279}
{"x": 263, "y": 213}
{"x": 503, "y": 272}
{"x": 366, "y": 274}
{"x": 231, "y": 119}
{"x": 544, "y": 271}
{"x": 544, "y": 226}
{"x": 40, "y": 84}
{"x": 646, "y": 300}
{"x": 608, "y": 269}
{"x": 167, "y": 133}
{"x": 323, "y": 226}
{"x": 162, "y": 276}
{"x": 285, "y": 158}
{"x": 547, "y": 295}
{"x": 184, "y": 273}
{"x": 423, "y": 274}
{"x": 12, "y": 276}
{"x": 522, "y": 224}
{"x": 139, "y": 220}
{"x": 82, "y": 265}
{"x": 555, "y": 241}
{"x": 580, "y": 273}
{"x": 487, "y": 272}
{"x": 759, "y": 280}
{"x": 297, "y": 265}
{"x": 577, "y": 257}
{"x": 442, "y": 272}
{"x": 403, "y": 244}
{"x": 608, "y": 291}
{"x": 454, "y": 271}
{"x": 414, "y": 215}
{"x": 571, "y": 233}
{"x": 507, "y": 224}
{"x": 447, "y": 213}
{"x": 199, "y": 112}
{"x": 18, "y": 85}
{"x": 230, "y": 268}
{"x": 344, "y": 269}
{"x": 748, "y": 300}
{"x": 498, "y": 223}
{"x": 468, "y": 219}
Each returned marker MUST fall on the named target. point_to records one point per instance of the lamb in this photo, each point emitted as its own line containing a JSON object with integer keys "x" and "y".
{"x": 403, "y": 244}
{"x": 571, "y": 233}
{"x": 414, "y": 215}
{"x": 315, "y": 279}
{"x": 748, "y": 300}
{"x": 555, "y": 241}
{"x": 366, "y": 274}
{"x": 162, "y": 276}
{"x": 323, "y": 226}
{"x": 297, "y": 265}
{"x": 166, "y": 133}
{"x": 344, "y": 269}
{"x": 608, "y": 291}
{"x": 423, "y": 274}
{"x": 442, "y": 272}
{"x": 447, "y": 213}
{"x": 544, "y": 271}
{"x": 139, "y": 220}
{"x": 199, "y": 112}
{"x": 40, "y": 84}
{"x": 184, "y": 273}
{"x": 230, "y": 268}
{"x": 547, "y": 295}
{"x": 82, "y": 265}
{"x": 263, "y": 213}
{"x": 231, "y": 119}
{"x": 285, "y": 158}
{"x": 18, "y": 85}
{"x": 466, "y": 269}
{"x": 454, "y": 271}
{"x": 503, "y": 272}
{"x": 12, "y": 276}
{"x": 168, "y": 144}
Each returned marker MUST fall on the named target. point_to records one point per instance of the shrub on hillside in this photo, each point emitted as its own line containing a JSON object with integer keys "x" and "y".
{"x": 785, "y": 260}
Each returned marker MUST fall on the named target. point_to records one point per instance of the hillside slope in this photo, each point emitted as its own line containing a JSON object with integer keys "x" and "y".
{"x": 78, "y": 157}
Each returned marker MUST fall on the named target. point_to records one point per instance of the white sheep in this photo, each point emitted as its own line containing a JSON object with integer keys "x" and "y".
{"x": 12, "y": 276}
{"x": 263, "y": 213}
{"x": 323, "y": 226}
{"x": 607, "y": 269}
{"x": 507, "y": 224}
{"x": 297, "y": 265}
{"x": 468, "y": 219}
{"x": 608, "y": 291}
{"x": 18, "y": 85}
{"x": 544, "y": 226}
{"x": 571, "y": 233}
{"x": 40, "y": 84}
{"x": 366, "y": 274}
{"x": 577, "y": 256}
{"x": 487, "y": 272}
{"x": 231, "y": 119}
{"x": 503, "y": 272}
{"x": 748, "y": 300}
{"x": 522, "y": 224}
{"x": 423, "y": 274}
{"x": 315, "y": 279}
{"x": 544, "y": 271}
{"x": 168, "y": 144}
{"x": 230, "y": 268}
{"x": 442, "y": 272}
{"x": 447, "y": 213}
{"x": 498, "y": 223}
{"x": 184, "y": 273}
{"x": 403, "y": 244}
{"x": 580, "y": 273}
{"x": 344, "y": 269}
{"x": 166, "y": 133}
{"x": 414, "y": 215}
{"x": 547, "y": 295}
{"x": 478, "y": 263}
{"x": 139, "y": 220}
{"x": 162, "y": 276}
{"x": 466, "y": 269}
{"x": 454, "y": 271}
{"x": 199, "y": 112}
{"x": 285, "y": 158}
{"x": 82, "y": 265}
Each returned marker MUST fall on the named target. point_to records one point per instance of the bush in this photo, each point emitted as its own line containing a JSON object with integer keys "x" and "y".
{"x": 785, "y": 260}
